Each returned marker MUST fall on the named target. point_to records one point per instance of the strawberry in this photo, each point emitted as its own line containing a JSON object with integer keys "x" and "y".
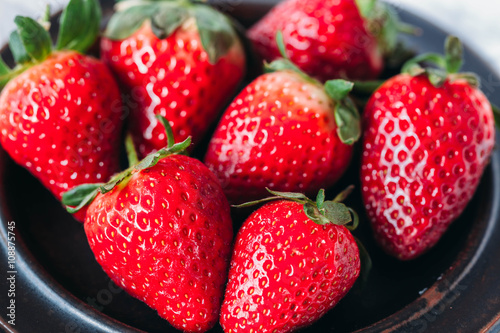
{"x": 293, "y": 261}
{"x": 428, "y": 138}
{"x": 177, "y": 59}
{"x": 60, "y": 113}
{"x": 284, "y": 131}
{"x": 162, "y": 231}
{"x": 329, "y": 38}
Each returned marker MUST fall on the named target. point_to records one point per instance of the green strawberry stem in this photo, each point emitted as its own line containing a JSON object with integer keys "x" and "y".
{"x": 319, "y": 211}
{"x": 45, "y": 19}
{"x": 217, "y": 32}
{"x": 408, "y": 29}
{"x": 285, "y": 63}
{"x": 168, "y": 130}
{"x": 346, "y": 114}
{"x": 30, "y": 43}
{"x": 132, "y": 157}
{"x": 454, "y": 52}
{"x": 46, "y": 14}
{"x": 82, "y": 195}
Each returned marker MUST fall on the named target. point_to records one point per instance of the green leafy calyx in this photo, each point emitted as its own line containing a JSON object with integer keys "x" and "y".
{"x": 445, "y": 67}
{"x": 82, "y": 195}
{"x": 79, "y": 25}
{"x": 347, "y": 116}
{"x": 216, "y": 31}
{"x": 319, "y": 211}
{"x": 31, "y": 43}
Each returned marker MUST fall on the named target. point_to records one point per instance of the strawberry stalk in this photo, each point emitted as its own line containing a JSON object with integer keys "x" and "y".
{"x": 45, "y": 19}
{"x": 346, "y": 114}
{"x": 132, "y": 157}
{"x": 31, "y": 44}
{"x": 81, "y": 196}
{"x": 168, "y": 131}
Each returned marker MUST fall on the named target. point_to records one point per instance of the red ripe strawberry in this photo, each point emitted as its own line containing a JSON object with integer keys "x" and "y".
{"x": 61, "y": 117}
{"x": 162, "y": 231}
{"x": 329, "y": 38}
{"x": 180, "y": 60}
{"x": 288, "y": 270}
{"x": 284, "y": 131}
{"x": 427, "y": 140}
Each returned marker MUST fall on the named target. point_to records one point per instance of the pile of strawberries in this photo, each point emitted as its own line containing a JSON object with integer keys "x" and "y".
{"x": 162, "y": 228}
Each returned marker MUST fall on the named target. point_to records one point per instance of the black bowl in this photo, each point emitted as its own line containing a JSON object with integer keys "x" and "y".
{"x": 59, "y": 287}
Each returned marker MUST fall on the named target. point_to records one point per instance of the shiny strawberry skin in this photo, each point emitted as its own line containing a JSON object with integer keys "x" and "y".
{"x": 279, "y": 133}
{"x": 424, "y": 151}
{"x": 286, "y": 271}
{"x": 326, "y": 38}
{"x": 172, "y": 77}
{"x": 62, "y": 120}
{"x": 165, "y": 237}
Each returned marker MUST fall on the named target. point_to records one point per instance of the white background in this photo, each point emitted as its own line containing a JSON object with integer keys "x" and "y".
{"x": 477, "y": 22}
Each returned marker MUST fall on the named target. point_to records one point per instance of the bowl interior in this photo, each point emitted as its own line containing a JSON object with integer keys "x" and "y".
{"x": 56, "y": 244}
